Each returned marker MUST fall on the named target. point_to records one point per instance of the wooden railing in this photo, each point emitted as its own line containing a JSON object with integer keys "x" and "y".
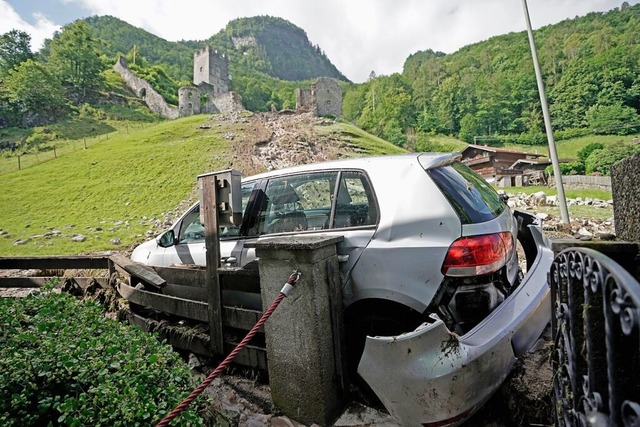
{"x": 170, "y": 301}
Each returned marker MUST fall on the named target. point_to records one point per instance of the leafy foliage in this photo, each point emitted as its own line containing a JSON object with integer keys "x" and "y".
{"x": 489, "y": 88}
{"x": 612, "y": 119}
{"x": 31, "y": 95}
{"x": 63, "y": 362}
{"x": 118, "y": 37}
{"x": 74, "y": 56}
{"x": 14, "y": 49}
{"x": 586, "y": 151}
{"x": 382, "y": 106}
{"x": 601, "y": 160}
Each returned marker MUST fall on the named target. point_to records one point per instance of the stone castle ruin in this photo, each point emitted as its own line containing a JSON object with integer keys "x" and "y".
{"x": 209, "y": 93}
{"x": 324, "y": 98}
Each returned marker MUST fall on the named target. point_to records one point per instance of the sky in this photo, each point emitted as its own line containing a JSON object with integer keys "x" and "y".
{"x": 358, "y": 36}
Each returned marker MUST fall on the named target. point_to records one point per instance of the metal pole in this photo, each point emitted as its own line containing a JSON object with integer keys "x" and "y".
{"x": 564, "y": 213}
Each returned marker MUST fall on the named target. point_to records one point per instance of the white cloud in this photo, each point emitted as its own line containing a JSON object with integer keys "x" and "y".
{"x": 41, "y": 30}
{"x": 358, "y": 36}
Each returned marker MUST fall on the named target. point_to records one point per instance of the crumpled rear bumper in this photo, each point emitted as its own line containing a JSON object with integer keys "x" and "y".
{"x": 431, "y": 376}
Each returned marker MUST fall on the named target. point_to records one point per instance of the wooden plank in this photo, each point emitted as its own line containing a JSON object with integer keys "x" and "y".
{"x": 251, "y": 356}
{"x": 209, "y": 216}
{"x": 139, "y": 271}
{"x": 239, "y": 282}
{"x": 36, "y": 282}
{"x": 55, "y": 263}
{"x": 189, "y": 309}
{"x": 192, "y": 277}
{"x": 240, "y": 318}
{"x": 186, "y": 292}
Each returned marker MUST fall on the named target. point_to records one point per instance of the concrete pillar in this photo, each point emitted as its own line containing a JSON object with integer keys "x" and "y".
{"x": 305, "y": 335}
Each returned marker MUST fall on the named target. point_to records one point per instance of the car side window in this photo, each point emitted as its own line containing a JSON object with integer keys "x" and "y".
{"x": 297, "y": 203}
{"x": 355, "y": 203}
{"x": 192, "y": 230}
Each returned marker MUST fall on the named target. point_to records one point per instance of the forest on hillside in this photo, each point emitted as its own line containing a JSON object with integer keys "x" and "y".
{"x": 488, "y": 90}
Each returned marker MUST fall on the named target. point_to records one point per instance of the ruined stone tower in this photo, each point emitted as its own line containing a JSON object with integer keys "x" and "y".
{"x": 324, "y": 98}
{"x": 212, "y": 68}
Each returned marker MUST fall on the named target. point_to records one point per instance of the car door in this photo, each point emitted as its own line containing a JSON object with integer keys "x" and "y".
{"x": 189, "y": 247}
{"x": 340, "y": 203}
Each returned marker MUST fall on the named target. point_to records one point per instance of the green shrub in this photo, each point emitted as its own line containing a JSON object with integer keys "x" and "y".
{"x": 62, "y": 362}
{"x": 584, "y": 153}
{"x": 560, "y": 135}
{"x": 612, "y": 119}
{"x": 36, "y": 139}
{"x": 572, "y": 168}
{"x": 601, "y": 160}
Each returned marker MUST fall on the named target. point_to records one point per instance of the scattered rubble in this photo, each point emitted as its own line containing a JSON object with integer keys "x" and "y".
{"x": 580, "y": 228}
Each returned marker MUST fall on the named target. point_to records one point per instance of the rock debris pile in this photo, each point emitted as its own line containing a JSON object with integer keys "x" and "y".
{"x": 580, "y": 227}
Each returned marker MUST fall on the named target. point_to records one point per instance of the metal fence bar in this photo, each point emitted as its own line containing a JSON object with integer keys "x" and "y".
{"x": 596, "y": 326}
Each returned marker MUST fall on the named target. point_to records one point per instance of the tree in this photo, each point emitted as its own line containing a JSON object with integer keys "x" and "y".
{"x": 388, "y": 110}
{"x": 32, "y": 95}
{"x": 14, "y": 49}
{"x": 75, "y": 57}
{"x": 612, "y": 119}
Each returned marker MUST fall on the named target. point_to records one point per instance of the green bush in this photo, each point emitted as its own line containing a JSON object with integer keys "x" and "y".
{"x": 560, "y": 135}
{"x": 62, "y": 362}
{"x": 601, "y": 160}
{"x": 612, "y": 119}
{"x": 585, "y": 152}
{"x": 572, "y": 168}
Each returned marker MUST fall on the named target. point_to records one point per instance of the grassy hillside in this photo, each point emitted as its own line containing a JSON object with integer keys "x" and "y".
{"x": 120, "y": 188}
{"x": 568, "y": 148}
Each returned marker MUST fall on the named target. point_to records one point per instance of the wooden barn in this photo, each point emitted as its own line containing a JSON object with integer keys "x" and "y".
{"x": 502, "y": 167}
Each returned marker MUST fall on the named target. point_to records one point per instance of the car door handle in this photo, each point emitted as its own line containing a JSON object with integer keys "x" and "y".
{"x": 229, "y": 260}
{"x": 343, "y": 258}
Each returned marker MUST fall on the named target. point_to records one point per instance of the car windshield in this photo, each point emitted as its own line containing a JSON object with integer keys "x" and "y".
{"x": 473, "y": 199}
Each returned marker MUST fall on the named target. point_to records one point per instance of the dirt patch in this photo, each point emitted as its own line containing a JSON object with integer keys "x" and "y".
{"x": 268, "y": 141}
{"x": 525, "y": 398}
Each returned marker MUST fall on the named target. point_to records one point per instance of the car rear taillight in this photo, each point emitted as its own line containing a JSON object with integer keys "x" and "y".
{"x": 477, "y": 255}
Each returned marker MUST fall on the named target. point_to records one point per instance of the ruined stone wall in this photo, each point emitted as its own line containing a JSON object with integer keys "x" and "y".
{"x": 145, "y": 91}
{"x": 323, "y": 99}
{"x": 625, "y": 189}
{"x": 212, "y": 67}
{"x": 328, "y": 97}
{"x": 189, "y": 101}
{"x": 228, "y": 102}
{"x": 305, "y": 101}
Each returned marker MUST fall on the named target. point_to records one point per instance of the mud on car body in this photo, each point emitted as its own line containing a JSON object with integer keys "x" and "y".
{"x": 437, "y": 308}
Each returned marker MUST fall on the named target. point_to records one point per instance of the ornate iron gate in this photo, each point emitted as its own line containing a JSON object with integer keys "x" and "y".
{"x": 596, "y": 326}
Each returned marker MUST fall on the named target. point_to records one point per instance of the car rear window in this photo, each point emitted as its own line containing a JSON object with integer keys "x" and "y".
{"x": 473, "y": 199}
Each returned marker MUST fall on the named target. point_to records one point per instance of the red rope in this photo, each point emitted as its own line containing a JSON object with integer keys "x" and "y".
{"x": 182, "y": 406}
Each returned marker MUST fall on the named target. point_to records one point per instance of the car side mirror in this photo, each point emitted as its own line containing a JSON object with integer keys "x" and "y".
{"x": 166, "y": 239}
{"x": 504, "y": 197}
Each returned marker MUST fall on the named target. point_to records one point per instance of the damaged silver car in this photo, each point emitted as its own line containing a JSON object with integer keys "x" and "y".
{"x": 437, "y": 306}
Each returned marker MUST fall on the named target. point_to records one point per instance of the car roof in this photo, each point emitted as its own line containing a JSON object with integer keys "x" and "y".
{"x": 426, "y": 160}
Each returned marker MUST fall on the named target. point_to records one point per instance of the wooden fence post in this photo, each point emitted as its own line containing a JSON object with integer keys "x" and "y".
{"x": 209, "y": 216}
